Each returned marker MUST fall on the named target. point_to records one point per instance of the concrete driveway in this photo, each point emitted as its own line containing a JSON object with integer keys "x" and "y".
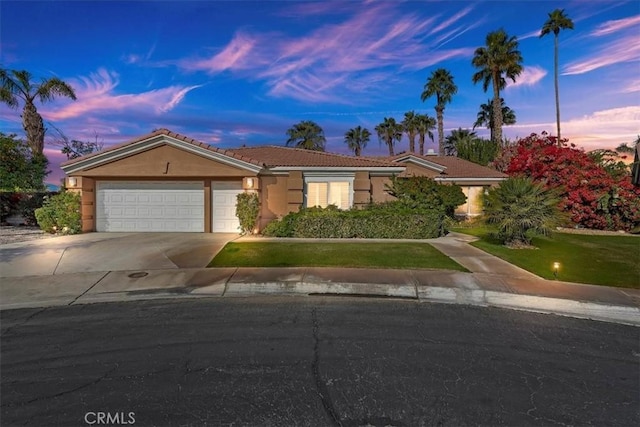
{"x": 94, "y": 252}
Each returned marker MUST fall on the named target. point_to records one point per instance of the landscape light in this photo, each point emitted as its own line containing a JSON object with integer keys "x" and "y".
{"x": 556, "y": 267}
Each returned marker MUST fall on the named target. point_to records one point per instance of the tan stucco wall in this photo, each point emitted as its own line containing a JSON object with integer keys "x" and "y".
{"x": 378, "y": 184}
{"x": 361, "y": 189}
{"x": 295, "y": 191}
{"x": 273, "y": 196}
{"x": 164, "y": 162}
{"x": 86, "y": 188}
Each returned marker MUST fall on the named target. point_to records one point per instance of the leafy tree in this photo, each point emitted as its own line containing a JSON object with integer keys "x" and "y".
{"x": 557, "y": 21}
{"x": 440, "y": 84}
{"x": 20, "y": 169}
{"x": 477, "y": 150}
{"x": 357, "y": 139}
{"x": 74, "y": 148}
{"x": 423, "y": 193}
{"x": 410, "y": 127}
{"x": 457, "y": 136}
{"x": 308, "y": 135}
{"x": 485, "y": 116}
{"x": 498, "y": 60}
{"x": 610, "y": 162}
{"x": 424, "y": 127}
{"x": 389, "y": 132}
{"x": 519, "y": 207}
{"x": 17, "y": 85}
{"x": 588, "y": 193}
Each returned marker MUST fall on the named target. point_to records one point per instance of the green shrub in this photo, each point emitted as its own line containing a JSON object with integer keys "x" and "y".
{"x": 391, "y": 220}
{"x": 60, "y": 214}
{"x": 519, "y": 208}
{"x": 28, "y": 205}
{"x": 421, "y": 192}
{"x": 247, "y": 210}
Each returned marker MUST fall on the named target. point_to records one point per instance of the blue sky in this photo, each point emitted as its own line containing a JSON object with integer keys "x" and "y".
{"x": 238, "y": 72}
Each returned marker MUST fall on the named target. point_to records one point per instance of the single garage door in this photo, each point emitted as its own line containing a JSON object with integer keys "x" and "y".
{"x": 224, "y": 219}
{"x": 150, "y": 206}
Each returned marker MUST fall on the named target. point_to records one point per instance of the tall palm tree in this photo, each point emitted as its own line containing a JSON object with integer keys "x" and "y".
{"x": 440, "y": 84}
{"x": 17, "y": 85}
{"x": 424, "y": 127}
{"x": 410, "y": 127}
{"x": 390, "y": 132}
{"x": 498, "y": 60}
{"x": 557, "y": 21}
{"x": 485, "y": 116}
{"x": 308, "y": 135}
{"x": 356, "y": 139}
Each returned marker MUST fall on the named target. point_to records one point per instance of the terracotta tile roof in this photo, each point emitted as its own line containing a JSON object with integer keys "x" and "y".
{"x": 174, "y": 135}
{"x": 274, "y": 156}
{"x": 455, "y": 167}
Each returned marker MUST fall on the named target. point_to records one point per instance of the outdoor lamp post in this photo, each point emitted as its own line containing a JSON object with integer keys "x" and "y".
{"x": 556, "y": 267}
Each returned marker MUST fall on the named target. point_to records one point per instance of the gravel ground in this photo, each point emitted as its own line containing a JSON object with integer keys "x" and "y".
{"x": 14, "y": 234}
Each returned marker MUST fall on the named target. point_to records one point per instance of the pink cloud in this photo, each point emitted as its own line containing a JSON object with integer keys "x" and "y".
{"x": 96, "y": 93}
{"x": 624, "y": 49}
{"x": 326, "y": 64}
{"x": 609, "y": 27}
{"x": 530, "y": 76}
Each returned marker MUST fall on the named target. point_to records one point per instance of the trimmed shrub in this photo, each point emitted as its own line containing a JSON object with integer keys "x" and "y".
{"x": 60, "y": 214}
{"x": 247, "y": 210}
{"x": 386, "y": 221}
{"x": 421, "y": 192}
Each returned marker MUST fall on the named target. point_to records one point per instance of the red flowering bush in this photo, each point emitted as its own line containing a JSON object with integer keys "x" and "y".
{"x": 591, "y": 196}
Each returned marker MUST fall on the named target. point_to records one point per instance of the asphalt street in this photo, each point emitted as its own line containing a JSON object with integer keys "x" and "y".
{"x": 285, "y": 361}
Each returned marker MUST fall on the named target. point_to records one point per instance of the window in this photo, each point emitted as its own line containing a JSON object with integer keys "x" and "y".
{"x": 328, "y": 193}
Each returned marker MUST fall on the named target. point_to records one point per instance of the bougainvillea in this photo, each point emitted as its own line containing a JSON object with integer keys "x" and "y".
{"x": 591, "y": 196}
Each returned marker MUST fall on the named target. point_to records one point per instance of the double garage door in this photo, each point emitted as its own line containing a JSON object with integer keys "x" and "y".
{"x": 165, "y": 206}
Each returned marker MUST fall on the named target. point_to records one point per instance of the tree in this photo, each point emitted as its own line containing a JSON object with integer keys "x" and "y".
{"x": 440, "y": 84}
{"x": 17, "y": 85}
{"x": 557, "y": 21}
{"x": 455, "y": 137}
{"x": 477, "y": 150}
{"x": 357, "y": 139}
{"x": 519, "y": 207}
{"x": 591, "y": 196}
{"x": 308, "y": 135}
{"x": 424, "y": 128}
{"x": 498, "y": 60}
{"x": 74, "y": 148}
{"x": 410, "y": 127}
{"x": 485, "y": 116}
{"x": 20, "y": 169}
{"x": 389, "y": 132}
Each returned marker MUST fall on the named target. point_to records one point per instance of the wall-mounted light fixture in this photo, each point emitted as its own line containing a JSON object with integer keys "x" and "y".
{"x": 73, "y": 181}
{"x": 556, "y": 267}
{"x": 250, "y": 183}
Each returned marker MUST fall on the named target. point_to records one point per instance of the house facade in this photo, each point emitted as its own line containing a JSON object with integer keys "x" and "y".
{"x": 165, "y": 181}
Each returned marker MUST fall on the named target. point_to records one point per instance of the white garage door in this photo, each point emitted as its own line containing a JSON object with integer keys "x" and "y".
{"x": 150, "y": 206}
{"x": 224, "y": 219}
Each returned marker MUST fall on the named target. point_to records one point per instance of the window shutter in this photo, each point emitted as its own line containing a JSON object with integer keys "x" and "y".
{"x": 339, "y": 194}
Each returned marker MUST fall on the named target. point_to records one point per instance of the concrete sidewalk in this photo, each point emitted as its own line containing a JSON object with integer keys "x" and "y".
{"x": 491, "y": 282}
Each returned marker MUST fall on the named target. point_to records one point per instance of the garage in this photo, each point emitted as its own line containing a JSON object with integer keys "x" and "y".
{"x": 150, "y": 206}
{"x": 223, "y": 218}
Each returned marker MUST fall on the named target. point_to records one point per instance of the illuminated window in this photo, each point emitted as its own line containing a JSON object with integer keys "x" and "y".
{"x": 325, "y": 193}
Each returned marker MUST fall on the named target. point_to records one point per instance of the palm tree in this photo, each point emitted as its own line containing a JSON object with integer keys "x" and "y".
{"x": 557, "y": 21}
{"x": 308, "y": 135}
{"x": 410, "y": 127}
{"x": 390, "y": 132}
{"x": 17, "y": 85}
{"x": 424, "y": 127}
{"x": 485, "y": 116}
{"x": 500, "y": 59}
{"x": 440, "y": 84}
{"x": 455, "y": 137}
{"x": 357, "y": 139}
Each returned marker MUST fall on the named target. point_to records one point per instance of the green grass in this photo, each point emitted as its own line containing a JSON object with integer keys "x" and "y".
{"x": 597, "y": 260}
{"x": 338, "y": 254}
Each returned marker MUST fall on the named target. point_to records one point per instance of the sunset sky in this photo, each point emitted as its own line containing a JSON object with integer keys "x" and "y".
{"x": 238, "y": 72}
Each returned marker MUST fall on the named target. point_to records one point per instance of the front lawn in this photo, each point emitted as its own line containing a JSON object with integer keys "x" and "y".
{"x": 333, "y": 254}
{"x": 597, "y": 260}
